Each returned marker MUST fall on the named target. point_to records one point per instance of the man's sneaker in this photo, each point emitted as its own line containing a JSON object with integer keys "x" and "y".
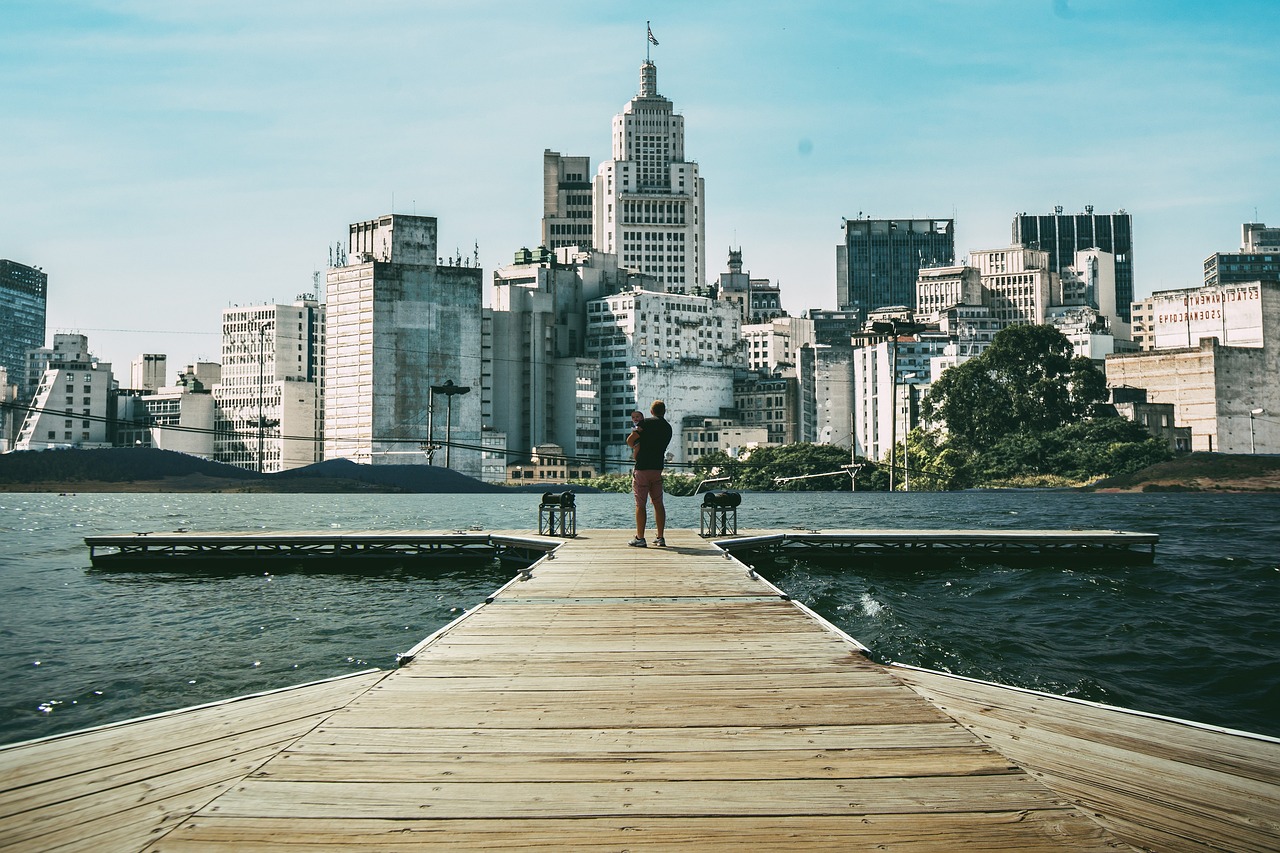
{"x": 661, "y": 542}
{"x": 637, "y": 543}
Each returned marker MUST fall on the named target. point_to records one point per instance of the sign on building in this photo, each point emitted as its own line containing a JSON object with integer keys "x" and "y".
{"x": 1231, "y": 313}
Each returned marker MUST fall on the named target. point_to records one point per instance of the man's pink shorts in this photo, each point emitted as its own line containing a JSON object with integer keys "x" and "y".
{"x": 647, "y": 484}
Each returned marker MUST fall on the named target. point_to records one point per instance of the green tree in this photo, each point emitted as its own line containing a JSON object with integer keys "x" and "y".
{"x": 1026, "y": 382}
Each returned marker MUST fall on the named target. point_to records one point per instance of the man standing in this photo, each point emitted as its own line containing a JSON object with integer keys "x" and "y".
{"x": 650, "y": 441}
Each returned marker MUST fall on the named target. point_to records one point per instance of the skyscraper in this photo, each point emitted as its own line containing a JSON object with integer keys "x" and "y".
{"x": 1062, "y": 235}
{"x": 877, "y": 264}
{"x": 398, "y": 323}
{"x": 23, "y": 296}
{"x": 566, "y": 201}
{"x": 648, "y": 201}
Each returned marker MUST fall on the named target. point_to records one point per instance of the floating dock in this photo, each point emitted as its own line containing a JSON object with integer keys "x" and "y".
{"x": 616, "y": 698}
{"x": 172, "y": 551}
{"x": 186, "y": 550}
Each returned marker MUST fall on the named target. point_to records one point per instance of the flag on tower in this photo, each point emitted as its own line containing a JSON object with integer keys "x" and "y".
{"x": 652, "y": 40}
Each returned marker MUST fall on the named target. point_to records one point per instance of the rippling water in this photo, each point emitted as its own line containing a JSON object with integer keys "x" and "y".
{"x": 1196, "y": 635}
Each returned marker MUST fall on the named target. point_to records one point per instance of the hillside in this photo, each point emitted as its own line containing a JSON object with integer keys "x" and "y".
{"x": 151, "y": 470}
{"x": 1200, "y": 472}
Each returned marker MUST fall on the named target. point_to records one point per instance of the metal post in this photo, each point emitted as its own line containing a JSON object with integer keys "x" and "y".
{"x": 262, "y": 359}
{"x": 449, "y": 390}
{"x": 1252, "y": 414}
{"x": 893, "y": 409}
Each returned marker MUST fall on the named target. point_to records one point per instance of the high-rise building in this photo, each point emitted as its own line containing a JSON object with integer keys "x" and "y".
{"x": 23, "y": 297}
{"x": 72, "y": 405}
{"x": 399, "y": 323}
{"x": 537, "y": 387}
{"x": 1062, "y": 235}
{"x": 1017, "y": 283}
{"x": 566, "y": 201}
{"x": 1257, "y": 260}
{"x": 661, "y": 346}
{"x": 648, "y": 201}
{"x": 270, "y": 371}
{"x": 879, "y": 260}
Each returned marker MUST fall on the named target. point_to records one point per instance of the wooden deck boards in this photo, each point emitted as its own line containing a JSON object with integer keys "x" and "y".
{"x": 617, "y": 699}
{"x": 1161, "y": 784}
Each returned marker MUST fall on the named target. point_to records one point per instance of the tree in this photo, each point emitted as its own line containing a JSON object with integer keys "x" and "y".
{"x": 1026, "y": 381}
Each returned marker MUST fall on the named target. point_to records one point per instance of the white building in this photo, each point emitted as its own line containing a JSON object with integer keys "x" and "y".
{"x": 537, "y": 388}
{"x": 1017, "y": 284}
{"x": 889, "y": 379}
{"x": 399, "y": 321}
{"x": 701, "y": 436}
{"x": 1216, "y": 359}
{"x": 268, "y": 392}
{"x": 648, "y": 202}
{"x": 940, "y": 288}
{"x": 71, "y": 406}
{"x": 667, "y": 346}
{"x": 775, "y": 345}
{"x": 148, "y": 372}
{"x": 566, "y": 201}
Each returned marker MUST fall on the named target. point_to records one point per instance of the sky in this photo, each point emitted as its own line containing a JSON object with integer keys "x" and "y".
{"x": 162, "y": 161}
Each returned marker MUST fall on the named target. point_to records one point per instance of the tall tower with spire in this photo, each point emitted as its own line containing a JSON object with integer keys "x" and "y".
{"x": 648, "y": 201}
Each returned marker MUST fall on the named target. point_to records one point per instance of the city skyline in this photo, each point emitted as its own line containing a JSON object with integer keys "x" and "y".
{"x": 165, "y": 163}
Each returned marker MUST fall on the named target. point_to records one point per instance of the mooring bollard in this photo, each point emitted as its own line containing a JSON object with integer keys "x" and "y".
{"x": 557, "y": 515}
{"x": 720, "y": 513}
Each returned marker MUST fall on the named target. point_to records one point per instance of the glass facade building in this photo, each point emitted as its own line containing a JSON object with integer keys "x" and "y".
{"x": 1062, "y": 235}
{"x": 879, "y": 260}
{"x": 23, "y": 299}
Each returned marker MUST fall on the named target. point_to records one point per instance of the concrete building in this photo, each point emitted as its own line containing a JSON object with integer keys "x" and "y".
{"x": 549, "y": 464}
{"x": 1088, "y": 331}
{"x": 72, "y": 404}
{"x": 1017, "y": 284}
{"x": 774, "y": 346}
{"x": 1216, "y": 359}
{"x": 835, "y": 328}
{"x": 1090, "y": 282}
{"x": 1142, "y": 323}
{"x": 969, "y": 330}
{"x": 889, "y": 379}
{"x": 648, "y": 201}
{"x": 757, "y": 298}
{"x": 1158, "y": 418}
{"x": 941, "y": 288}
{"x": 270, "y": 370}
{"x": 1062, "y": 235}
{"x": 702, "y": 436}
{"x": 879, "y": 260}
{"x": 566, "y": 201}
{"x": 537, "y": 387}
{"x": 830, "y": 373}
{"x": 148, "y": 372}
{"x": 398, "y": 322}
{"x": 772, "y": 403}
{"x": 673, "y": 347}
{"x": 10, "y": 418}
{"x": 181, "y": 417}
{"x": 1257, "y": 260}
{"x": 23, "y": 299}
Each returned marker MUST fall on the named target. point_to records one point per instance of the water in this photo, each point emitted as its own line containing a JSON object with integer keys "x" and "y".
{"x": 1196, "y": 635}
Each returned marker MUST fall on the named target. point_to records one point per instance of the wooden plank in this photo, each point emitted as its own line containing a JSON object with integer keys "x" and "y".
{"x": 1156, "y": 783}
{"x": 410, "y": 800}
{"x": 320, "y": 764}
{"x": 981, "y": 832}
{"x": 365, "y": 734}
{"x": 41, "y": 761}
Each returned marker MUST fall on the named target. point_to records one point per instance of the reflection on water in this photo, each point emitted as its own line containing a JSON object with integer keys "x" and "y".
{"x": 1195, "y": 635}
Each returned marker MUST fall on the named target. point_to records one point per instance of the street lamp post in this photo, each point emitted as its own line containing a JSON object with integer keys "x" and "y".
{"x": 262, "y": 423}
{"x": 894, "y": 328}
{"x": 1253, "y": 414}
{"x": 449, "y": 390}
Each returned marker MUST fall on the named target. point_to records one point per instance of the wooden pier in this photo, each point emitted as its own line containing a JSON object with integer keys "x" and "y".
{"x": 614, "y": 698}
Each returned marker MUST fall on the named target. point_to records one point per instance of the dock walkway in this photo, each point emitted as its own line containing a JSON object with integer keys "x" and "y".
{"x": 613, "y": 699}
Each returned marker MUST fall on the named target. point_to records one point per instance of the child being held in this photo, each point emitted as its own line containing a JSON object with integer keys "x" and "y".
{"x": 633, "y": 440}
